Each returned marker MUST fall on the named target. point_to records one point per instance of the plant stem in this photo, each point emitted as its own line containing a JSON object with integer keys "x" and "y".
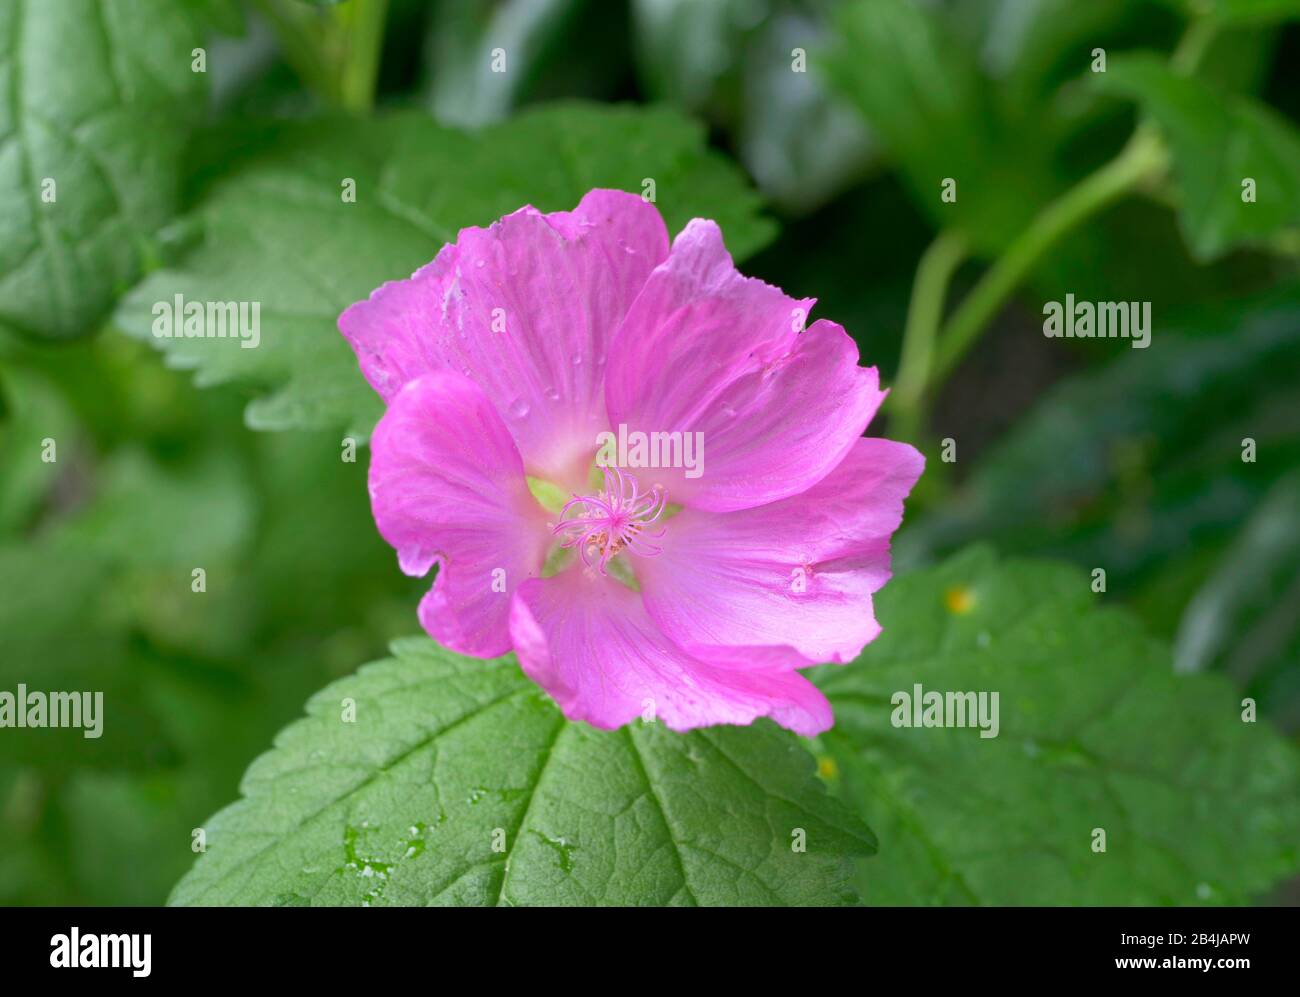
{"x": 297, "y": 31}
{"x": 335, "y": 50}
{"x": 1191, "y": 48}
{"x": 1142, "y": 158}
{"x": 924, "y": 313}
{"x": 363, "y": 32}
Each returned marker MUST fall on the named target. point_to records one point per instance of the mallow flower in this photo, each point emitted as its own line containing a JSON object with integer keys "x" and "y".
{"x": 633, "y": 466}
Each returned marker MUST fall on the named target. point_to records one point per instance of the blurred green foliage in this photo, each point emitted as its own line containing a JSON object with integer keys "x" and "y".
{"x": 153, "y": 478}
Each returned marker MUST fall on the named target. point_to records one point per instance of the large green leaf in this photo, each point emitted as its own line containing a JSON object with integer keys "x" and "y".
{"x": 98, "y": 101}
{"x": 1095, "y": 731}
{"x": 278, "y": 232}
{"x": 459, "y": 782}
{"x": 1218, "y": 142}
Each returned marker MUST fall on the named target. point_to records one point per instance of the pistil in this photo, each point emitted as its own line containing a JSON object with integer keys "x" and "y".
{"x": 616, "y": 519}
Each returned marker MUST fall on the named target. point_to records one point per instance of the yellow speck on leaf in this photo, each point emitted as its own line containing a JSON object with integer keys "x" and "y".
{"x": 959, "y": 600}
{"x": 826, "y": 767}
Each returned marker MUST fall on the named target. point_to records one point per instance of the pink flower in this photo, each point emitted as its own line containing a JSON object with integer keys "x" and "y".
{"x": 692, "y": 592}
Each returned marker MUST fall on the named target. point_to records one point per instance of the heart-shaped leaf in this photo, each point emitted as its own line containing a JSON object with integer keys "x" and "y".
{"x": 430, "y": 778}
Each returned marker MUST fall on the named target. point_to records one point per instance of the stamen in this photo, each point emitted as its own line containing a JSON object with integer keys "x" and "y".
{"x": 613, "y": 520}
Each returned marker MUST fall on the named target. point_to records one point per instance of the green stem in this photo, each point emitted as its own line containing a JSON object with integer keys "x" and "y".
{"x": 297, "y": 29}
{"x": 363, "y": 31}
{"x": 1142, "y": 158}
{"x": 924, "y": 313}
{"x": 335, "y": 50}
{"x": 1191, "y": 48}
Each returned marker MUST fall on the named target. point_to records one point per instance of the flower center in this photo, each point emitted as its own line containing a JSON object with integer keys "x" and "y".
{"x": 615, "y": 519}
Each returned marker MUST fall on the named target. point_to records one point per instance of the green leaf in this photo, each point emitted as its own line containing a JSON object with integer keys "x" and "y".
{"x": 56, "y": 639}
{"x": 1095, "y": 731}
{"x": 146, "y": 517}
{"x": 684, "y": 48}
{"x": 801, "y": 142}
{"x": 1119, "y": 466}
{"x": 224, "y": 16}
{"x": 726, "y": 61}
{"x": 279, "y": 233}
{"x": 460, "y": 783}
{"x": 31, "y": 412}
{"x": 95, "y": 594}
{"x": 464, "y": 88}
{"x": 99, "y": 99}
{"x": 74, "y": 592}
{"x": 1218, "y": 142}
{"x": 734, "y": 63}
{"x": 1245, "y": 618}
{"x": 903, "y": 68}
{"x": 1240, "y": 12}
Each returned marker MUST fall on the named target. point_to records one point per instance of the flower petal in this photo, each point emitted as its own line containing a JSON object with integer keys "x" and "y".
{"x": 447, "y": 486}
{"x": 588, "y": 642}
{"x": 705, "y": 350}
{"x": 526, "y": 308}
{"x": 797, "y": 573}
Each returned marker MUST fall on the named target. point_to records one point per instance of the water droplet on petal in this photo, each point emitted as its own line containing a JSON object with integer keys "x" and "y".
{"x": 519, "y": 408}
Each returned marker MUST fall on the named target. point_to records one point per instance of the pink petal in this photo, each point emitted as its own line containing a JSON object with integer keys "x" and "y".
{"x": 447, "y": 486}
{"x": 705, "y": 350}
{"x": 588, "y": 642}
{"x": 559, "y": 283}
{"x": 730, "y": 580}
